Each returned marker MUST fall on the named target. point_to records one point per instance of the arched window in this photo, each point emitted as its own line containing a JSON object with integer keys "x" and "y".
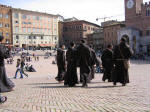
{"x": 148, "y": 11}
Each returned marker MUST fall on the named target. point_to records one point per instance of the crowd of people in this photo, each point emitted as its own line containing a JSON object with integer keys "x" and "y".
{"x": 115, "y": 62}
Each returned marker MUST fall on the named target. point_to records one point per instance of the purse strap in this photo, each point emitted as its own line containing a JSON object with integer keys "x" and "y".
{"x": 121, "y": 52}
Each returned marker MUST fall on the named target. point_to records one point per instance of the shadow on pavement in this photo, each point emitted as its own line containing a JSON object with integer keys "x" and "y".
{"x": 42, "y": 83}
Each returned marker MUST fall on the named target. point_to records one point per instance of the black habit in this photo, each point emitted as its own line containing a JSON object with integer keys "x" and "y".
{"x": 71, "y": 75}
{"x": 120, "y": 73}
{"x": 61, "y": 63}
{"x": 6, "y": 84}
{"x": 107, "y": 64}
{"x": 84, "y": 56}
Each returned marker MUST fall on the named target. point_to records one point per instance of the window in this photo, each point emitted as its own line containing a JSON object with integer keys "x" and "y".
{"x": 34, "y": 17}
{"x": 17, "y": 41}
{"x": 16, "y": 15}
{"x": 85, "y": 28}
{"x": 37, "y": 18}
{"x": 17, "y": 37}
{"x": 34, "y": 30}
{"x": 7, "y": 25}
{"x": 55, "y": 38}
{"x": 88, "y": 28}
{"x": 6, "y": 16}
{"x": 30, "y": 37}
{"x": 7, "y": 34}
{"x": 29, "y": 30}
{"x": 1, "y": 25}
{"x": 1, "y": 33}
{"x": 1, "y": 15}
{"x": 34, "y": 37}
{"x": 148, "y": 32}
{"x": 16, "y": 29}
{"x": 24, "y": 17}
{"x": 148, "y": 12}
{"x": 42, "y": 37}
{"x": 16, "y": 22}
{"x": 24, "y": 30}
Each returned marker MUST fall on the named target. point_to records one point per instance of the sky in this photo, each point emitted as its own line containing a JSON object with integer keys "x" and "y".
{"x": 87, "y": 10}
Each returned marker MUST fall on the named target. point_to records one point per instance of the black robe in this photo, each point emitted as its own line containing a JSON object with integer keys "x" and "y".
{"x": 61, "y": 63}
{"x": 120, "y": 73}
{"x": 94, "y": 61}
{"x": 71, "y": 75}
{"x": 6, "y": 84}
{"x": 85, "y": 60}
{"x": 107, "y": 63}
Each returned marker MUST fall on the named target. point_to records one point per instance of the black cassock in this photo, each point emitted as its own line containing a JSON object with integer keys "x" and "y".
{"x": 61, "y": 63}
{"x": 120, "y": 73}
{"x": 6, "y": 84}
{"x": 93, "y": 62}
{"x": 107, "y": 64}
{"x": 71, "y": 75}
{"x": 84, "y": 56}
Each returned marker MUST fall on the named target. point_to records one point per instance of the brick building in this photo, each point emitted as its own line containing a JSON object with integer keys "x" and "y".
{"x": 5, "y": 23}
{"x": 110, "y": 29}
{"x": 75, "y": 31}
{"x": 137, "y": 31}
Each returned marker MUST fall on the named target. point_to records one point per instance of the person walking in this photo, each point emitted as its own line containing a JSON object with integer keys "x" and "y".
{"x": 122, "y": 53}
{"x": 107, "y": 63}
{"x": 18, "y": 69}
{"x": 6, "y": 85}
{"x": 22, "y": 67}
{"x": 85, "y": 58}
{"x": 61, "y": 63}
{"x": 71, "y": 78}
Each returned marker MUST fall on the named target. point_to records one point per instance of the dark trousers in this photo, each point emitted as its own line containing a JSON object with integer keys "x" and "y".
{"x": 24, "y": 72}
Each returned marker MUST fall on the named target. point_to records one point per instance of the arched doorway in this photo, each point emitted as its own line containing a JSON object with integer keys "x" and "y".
{"x": 127, "y": 38}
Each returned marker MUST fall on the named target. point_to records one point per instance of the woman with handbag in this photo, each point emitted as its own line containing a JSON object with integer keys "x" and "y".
{"x": 122, "y": 53}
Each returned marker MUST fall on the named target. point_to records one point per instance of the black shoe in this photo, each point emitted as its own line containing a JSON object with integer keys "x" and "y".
{"x": 123, "y": 84}
{"x": 84, "y": 85}
{"x": 3, "y": 99}
{"x": 114, "y": 83}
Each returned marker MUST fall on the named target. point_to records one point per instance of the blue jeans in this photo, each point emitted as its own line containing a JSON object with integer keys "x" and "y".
{"x": 18, "y": 70}
{"x": 98, "y": 69}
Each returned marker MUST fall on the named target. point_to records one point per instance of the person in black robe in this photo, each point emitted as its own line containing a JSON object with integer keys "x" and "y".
{"x": 85, "y": 57}
{"x": 71, "y": 78}
{"x": 61, "y": 63}
{"x": 93, "y": 62}
{"x": 6, "y": 85}
{"x": 107, "y": 63}
{"x": 122, "y": 52}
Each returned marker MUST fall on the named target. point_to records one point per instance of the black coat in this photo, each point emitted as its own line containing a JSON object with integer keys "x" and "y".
{"x": 121, "y": 74}
{"x": 85, "y": 58}
{"x": 6, "y": 84}
{"x": 71, "y": 75}
{"x": 107, "y": 58}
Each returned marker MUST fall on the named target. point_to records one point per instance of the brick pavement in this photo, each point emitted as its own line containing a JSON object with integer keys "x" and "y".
{"x": 41, "y": 93}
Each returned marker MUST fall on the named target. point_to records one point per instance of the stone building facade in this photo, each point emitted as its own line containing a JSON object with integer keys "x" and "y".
{"x": 137, "y": 31}
{"x": 6, "y": 24}
{"x": 32, "y": 29}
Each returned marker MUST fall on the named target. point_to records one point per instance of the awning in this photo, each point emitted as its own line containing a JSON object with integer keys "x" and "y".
{"x": 46, "y": 45}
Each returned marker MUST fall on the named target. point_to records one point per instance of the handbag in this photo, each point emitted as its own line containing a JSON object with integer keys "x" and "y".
{"x": 126, "y": 62}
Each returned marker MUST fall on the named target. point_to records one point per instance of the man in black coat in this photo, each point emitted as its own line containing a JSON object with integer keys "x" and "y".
{"x": 107, "y": 63}
{"x": 122, "y": 53}
{"x": 61, "y": 63}
{"x": 71, "y": 78}
{"x": 85, "y": 57}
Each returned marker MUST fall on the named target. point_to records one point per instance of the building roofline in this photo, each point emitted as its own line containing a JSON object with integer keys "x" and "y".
{"x": 81, "y": 21}
{"x": 19, "y": 9}
{"x": 115, "y": 24}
